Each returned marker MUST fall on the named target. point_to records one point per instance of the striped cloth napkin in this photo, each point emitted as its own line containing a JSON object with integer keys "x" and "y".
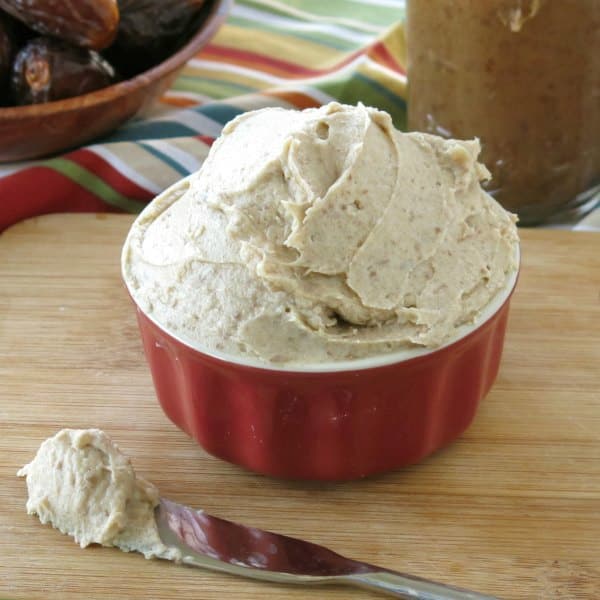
{"x": 289, "y": 53}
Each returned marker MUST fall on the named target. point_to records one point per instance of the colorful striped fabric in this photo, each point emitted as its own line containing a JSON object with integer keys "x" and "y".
{"x": 289, "y": 53}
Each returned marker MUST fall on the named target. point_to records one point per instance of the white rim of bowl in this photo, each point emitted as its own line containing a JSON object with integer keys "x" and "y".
{"x": 357, "y": 364}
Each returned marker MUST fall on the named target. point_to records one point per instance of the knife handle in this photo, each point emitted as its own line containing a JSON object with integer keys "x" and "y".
{"x": 399, "y": 585}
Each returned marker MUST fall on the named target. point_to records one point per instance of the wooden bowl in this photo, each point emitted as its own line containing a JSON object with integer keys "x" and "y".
{"x": 41, "y": 129}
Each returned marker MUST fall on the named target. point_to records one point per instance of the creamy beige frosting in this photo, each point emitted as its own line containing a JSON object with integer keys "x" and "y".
{"x": 81, "y": 483}
{"x": 323, "y": 234}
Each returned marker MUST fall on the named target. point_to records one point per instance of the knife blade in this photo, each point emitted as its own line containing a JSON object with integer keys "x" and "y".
{"x": 209, "y": 542}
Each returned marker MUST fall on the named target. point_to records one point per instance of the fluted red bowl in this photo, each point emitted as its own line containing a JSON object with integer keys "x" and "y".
{"x": 331, "y": 421}
{"x": 42, "y": 129}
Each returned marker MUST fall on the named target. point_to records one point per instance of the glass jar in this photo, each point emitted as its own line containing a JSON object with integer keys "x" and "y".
{"x": 524, "y": 77}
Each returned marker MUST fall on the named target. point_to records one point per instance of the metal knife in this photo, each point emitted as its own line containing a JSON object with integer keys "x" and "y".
{"x": 212, "y": 543}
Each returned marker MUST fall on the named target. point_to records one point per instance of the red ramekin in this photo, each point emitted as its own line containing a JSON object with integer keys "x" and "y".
{"x": 337, "y": 421}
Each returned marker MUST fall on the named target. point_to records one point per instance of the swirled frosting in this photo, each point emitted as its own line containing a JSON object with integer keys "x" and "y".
{"x": 323, "y": 234}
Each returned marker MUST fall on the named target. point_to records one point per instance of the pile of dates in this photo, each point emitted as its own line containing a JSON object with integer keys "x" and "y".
{"x": 55, "y": 49}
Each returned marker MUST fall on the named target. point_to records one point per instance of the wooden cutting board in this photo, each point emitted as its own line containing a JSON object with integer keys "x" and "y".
{"x": 512, "y": 508}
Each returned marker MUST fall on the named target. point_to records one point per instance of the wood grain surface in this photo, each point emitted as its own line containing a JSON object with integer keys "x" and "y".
{"x": 512, "y": 508}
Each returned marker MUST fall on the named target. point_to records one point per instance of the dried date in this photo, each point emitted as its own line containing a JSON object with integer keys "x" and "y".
{"x": 86, "y": 23}
{"x": 47, "y": 69}
{"x": 7, "y": 49}
{"x": 149, "y": 31}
